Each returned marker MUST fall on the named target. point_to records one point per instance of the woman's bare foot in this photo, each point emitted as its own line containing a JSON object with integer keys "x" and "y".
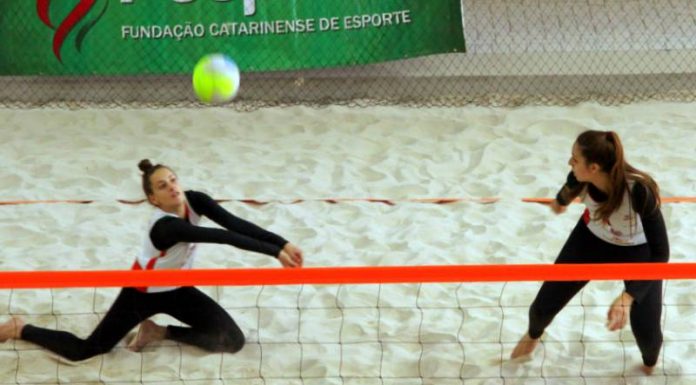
{"x": 648, "y": 370}
{"x": 147, "y": 333}
{"x": 11, "y": 329}
{"x": 525, "y": 347}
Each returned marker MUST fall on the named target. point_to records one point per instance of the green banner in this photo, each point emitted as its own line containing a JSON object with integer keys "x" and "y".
{"x": 130, "y": 37}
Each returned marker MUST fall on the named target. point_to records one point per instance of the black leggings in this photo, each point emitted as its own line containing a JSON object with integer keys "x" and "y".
{"x": 211, "y": 328}
{"x": 584, "y": 247}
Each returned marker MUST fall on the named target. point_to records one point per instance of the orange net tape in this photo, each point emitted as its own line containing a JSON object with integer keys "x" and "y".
{"x": 347, "y": 275}
{"x": 258, "y": 202}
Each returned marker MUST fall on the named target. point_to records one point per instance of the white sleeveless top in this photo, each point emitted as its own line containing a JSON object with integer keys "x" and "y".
{"x": 179, "y": 256}
{"x": 624, "y": 227}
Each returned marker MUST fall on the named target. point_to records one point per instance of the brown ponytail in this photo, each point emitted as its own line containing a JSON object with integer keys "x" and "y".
{"x": 605, "y": 149}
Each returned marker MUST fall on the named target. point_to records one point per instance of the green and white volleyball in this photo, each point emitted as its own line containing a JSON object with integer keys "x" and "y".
{"x": 216, "y": 78}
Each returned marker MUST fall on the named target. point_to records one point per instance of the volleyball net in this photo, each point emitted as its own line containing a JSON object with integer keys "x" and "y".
{"x": 396, "y": 324}
{"x": 436, "y": 324}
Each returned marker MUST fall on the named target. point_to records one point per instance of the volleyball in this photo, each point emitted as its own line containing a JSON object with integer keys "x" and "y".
{"x": 215, "y": 78}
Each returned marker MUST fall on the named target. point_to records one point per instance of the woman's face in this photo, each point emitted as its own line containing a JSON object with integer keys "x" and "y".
{"x": 582, "y": 171}
{"x": 166, "y": 192}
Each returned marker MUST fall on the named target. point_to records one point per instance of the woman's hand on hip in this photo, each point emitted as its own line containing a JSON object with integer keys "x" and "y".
{"x": 619, "y": 312}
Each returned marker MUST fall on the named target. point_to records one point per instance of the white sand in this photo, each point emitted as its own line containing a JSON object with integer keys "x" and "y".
{"x": 394, "y": 153}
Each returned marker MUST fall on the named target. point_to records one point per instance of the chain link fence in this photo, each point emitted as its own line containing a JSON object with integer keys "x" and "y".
{"x": 518, "y": 52}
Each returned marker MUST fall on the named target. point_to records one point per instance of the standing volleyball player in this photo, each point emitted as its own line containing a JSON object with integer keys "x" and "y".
{"x": 170, "y": 243}
{"x": 622, "y": 223}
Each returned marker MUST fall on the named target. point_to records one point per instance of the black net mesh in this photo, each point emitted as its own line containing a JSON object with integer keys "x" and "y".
{"x": 374, "y": 334}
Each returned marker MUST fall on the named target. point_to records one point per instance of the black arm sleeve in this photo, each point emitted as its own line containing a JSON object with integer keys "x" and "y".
{"x": 205, "y": 205}
{"x": 170, "y": 230}
{"x": 570, "y": 190}
{"x": 655, "y": 230}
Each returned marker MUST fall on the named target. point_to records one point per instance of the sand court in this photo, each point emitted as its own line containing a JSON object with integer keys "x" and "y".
{"x": 342, "y": 334}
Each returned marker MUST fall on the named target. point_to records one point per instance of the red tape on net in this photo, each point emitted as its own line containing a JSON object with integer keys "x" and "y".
{"x": 347, "y": 275}
{"x": 390, "y": 202}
